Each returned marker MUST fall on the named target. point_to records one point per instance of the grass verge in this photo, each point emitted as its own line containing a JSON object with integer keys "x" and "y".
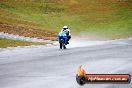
{"x": 13, "y": 43}
{"x": 106, "y": 18}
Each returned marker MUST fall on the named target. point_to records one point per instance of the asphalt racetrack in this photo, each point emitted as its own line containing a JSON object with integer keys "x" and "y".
{"x": 50, "y": 67}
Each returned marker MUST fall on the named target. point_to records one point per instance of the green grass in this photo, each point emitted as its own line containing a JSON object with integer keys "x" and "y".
{"x": 13, "y": 43}
{"x": 107, "y": 18}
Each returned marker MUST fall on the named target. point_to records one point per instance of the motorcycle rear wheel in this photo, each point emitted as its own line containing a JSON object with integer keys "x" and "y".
{"x": 60, "y": 45}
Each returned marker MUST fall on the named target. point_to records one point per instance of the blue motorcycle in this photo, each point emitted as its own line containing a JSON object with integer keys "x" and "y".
{"x": 62, "y": 40}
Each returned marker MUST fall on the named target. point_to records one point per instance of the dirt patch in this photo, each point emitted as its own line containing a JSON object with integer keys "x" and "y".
{"x": 27, "y": 31}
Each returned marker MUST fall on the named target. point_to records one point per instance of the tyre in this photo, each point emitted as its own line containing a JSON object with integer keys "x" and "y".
{"x": 81, "y": 80}
{"x": 60, "y": 45}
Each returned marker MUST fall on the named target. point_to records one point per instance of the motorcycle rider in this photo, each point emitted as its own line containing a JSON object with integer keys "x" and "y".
{"x": 66, "y": 30}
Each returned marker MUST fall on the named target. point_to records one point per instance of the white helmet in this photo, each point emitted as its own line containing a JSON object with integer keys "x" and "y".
{"x": 65, "y": 27}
